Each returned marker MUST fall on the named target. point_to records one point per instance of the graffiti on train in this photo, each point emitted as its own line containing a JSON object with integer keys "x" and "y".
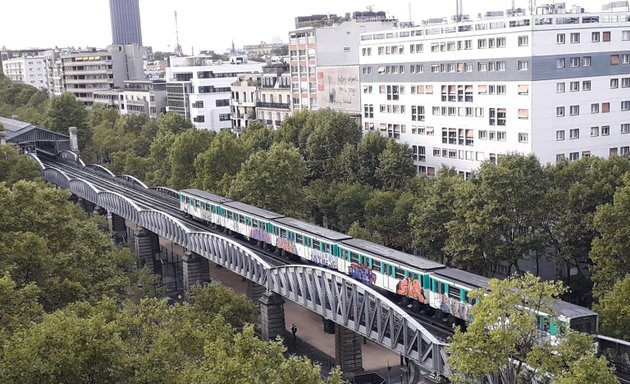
{"x": 411, "y": 289}
{"x": 260, "y": 235}
{"x": 451, "y": 305}
{"x": 362, "y": 273}
{"x": 287, "y": 245}
{"x": 324, "y": 258}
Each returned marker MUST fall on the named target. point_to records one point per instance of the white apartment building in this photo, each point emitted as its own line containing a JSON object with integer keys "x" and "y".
{"x": 244, "y": 95}
{"x": 29, "y": 70}
{"x": 199, "y": 89}
{"x": 274, "y": 95}
{"x": 554, "y": 83}
{"x": 329, "y": 41}
{"x": 143, "y": 97}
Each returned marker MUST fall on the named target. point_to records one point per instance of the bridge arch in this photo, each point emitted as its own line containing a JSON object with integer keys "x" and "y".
{"x": 133, "y": 180}
{"x": 164, "y": 225}
{"x": 101, "y": 169}
{"x": 360, "y": 308}
{"x": 57, "y": 177}
{"x": 69, "y": 155}
{"x": 34, "y": 157}
{"x": 84, "y": 189}
{"x": 120, "y": 205}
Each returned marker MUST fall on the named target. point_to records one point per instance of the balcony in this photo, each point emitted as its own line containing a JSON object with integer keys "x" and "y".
{"x": 262, "y": 104}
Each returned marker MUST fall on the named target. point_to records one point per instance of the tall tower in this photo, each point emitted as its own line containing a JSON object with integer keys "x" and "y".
{"x": 126, "y": 28}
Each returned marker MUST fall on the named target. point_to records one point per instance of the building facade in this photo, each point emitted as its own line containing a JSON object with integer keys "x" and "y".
{"x": 85, "y": 72}
{"x": 200, "y": 89}
{"x": 243, "y": 101}
{"x": 552, "y": 83}
{"x": 274, "y": 95}
{"x": 327, "y": 41}
{"x": 125, "y": 19}
{"x": 29, "y": 70}
{"x": 265, "y": 49}
{"x": 144, "y": 97}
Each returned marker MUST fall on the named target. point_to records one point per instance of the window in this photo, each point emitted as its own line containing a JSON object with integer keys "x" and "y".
{"x": 614, "y": 83}
{"x": 500, "y": 65}
{"x": 523, "y": 65}
{"x": 586, "y": 85}
{"x": 625, "y": 35}
{"x": 573, "y": 156}
{"x": 574, "y": 110}
{"x": 594, "y": 131}
{"x": 368, "y": 111}
{"x": 606, "y": 36}
{"x": 560, "y": 111}
{"x": 595, "y": 37}
{"x": 199, "y": 119}
{"x": 523, "y": 89}
{"x": 559, "y": 135}
{"x": 574, "y": 86}
{"x": 574, "y": 133}
{"x": 559, "y": 157}
{"x": 586, "y": 61}
{"x": 560, "y": 87}
{"x": 560, "y": 63}
{"x": 523, "y": 41}
{"x": 614, "y": 59}
{"x": 223, "y": 103}
{"x": 523, "y": 138}
{"x": 560, "y": 38}
{"x": 625, "y": 105}
{"x": 605, "y": 107}
{"x": 595, "y": 108}
{"x": 523, "y": 114}
{"x": 575, "y": 38}
{"x": 368, "y": 70}
{"x": 198, "y": 104}
{"x": 501, "y": 136}
{"x": 501, "y": 42}
{"x": 625, "y": 128}
{"x": 624, "y": 150}
{"x": 417, "y": 113}
{"x": 605, "y": 131}
{"x": 575, "y": 62}
{"x": 625, "y": 82}
{"x": 483, "y": 135}
{"x": 482, "y": 43}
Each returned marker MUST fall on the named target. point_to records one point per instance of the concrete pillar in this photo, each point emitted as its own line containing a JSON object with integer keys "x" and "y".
{"x": 117, "y": 226}
{"x": 196, "y": 270}
{"x": 348, "y": 350}
{"x": 255, "y": 291}
{"x": 271, "y": 315}
{"x": 146, "y": 245}
{"x": 87, "y": 206}
{"x": 329, "y": 326}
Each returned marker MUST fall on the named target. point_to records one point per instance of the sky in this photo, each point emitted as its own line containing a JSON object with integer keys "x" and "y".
{"x": 204, "y": 24}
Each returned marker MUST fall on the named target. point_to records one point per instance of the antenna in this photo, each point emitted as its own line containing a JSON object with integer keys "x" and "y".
{"x": 410, "y": 11}
{"x": 178, "y": 47}
{"x": 459, "y": 10}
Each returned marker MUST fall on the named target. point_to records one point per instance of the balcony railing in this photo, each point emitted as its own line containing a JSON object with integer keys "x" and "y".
{"x": 262, "y": 104}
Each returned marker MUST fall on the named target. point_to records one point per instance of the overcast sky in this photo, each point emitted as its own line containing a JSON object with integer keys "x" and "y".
{"x": 203, "y": 24}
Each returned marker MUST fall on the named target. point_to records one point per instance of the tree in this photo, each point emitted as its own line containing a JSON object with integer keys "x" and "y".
{"x": 292, "y": 128}
{"x": 257, "y": 136}
{"x": 395, "y": 166}
{"x": 503, "y": 339}
{"x": 431, "y": 214}
{"x": 66, "y": 111}
{"x": 187, "y": 146}
{"x": 387, "y": 217}
{"x": 173, "y": 123}
{"x": 369, "y": 151}
{"x": 350, "y": 205}
{"x": 272, "y": 180}
{"x": 14, "y": 167}
{"x": 18, "y": 306}
{"x": 610, "y": 249}
{"x": 499, "y": 216}
{"x": 46, "y": 240}
{"x": 160, "y": 162}
{"x": 329, "y": 132}
{"x": 614, "y": 310}
{"x": 218, "y": 300}
{"x": 216, "y": 167}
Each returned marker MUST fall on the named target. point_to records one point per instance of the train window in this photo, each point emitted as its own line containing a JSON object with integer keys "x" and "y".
{"x": 443, "y": 287}
{"x": 354, "y": 257}
{"x": 255, "y": 223}
{"x": 366, "y": 261}
{"x": 453, "y": 292}
{"x": 299, "y": 238}
{"x": 241, "y": 219}
{"x": 400, "y": 273}
{"x": 327, "y": 247}
{"x": 377, "y": 265}
{"x": 316, "y": 244}
{"x": 283, "y": 233}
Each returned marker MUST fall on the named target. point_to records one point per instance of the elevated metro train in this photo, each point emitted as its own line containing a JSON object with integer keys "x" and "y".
{"x": 421, "y": 280}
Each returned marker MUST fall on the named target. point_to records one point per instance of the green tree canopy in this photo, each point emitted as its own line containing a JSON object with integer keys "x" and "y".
{"x": 503, "y": 339}
{"x": 14, "y": 167}
{"x": 187, "y": 146}
{"x": 272, "y": 180}
{"x": 66, "y": 111}
{"x": 216, "y": 167}
{"x": 395, "y": 166}
{"x": 614, "y": 310}
{"x": 174, "y": 123}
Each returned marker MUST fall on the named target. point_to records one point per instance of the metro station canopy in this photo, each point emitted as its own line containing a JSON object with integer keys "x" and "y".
{"x": 30, "y": 136}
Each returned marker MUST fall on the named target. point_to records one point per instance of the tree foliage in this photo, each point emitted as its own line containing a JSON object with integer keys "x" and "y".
{"x": 395, "y": 166}
{"x": 186, "y": 148}
{"x": 66, "y": 111}
{"x": 614, "y": 310}
{"x": 503, "y": 339}
{"x": 15, "y": 167}
{"x": 216, "y": 167}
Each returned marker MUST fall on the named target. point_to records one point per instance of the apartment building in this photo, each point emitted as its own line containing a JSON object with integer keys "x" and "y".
{"x": 29, "y": 70}
{"x": 144, "y": 97}
{"x": 199, "y": 88}
{"x": 274, "y": 95}
{"x": 323, "y": 41}
{"x": 243, "y": 101}
{"x": 554, "y": 83}
{"x": 86, "y": 72}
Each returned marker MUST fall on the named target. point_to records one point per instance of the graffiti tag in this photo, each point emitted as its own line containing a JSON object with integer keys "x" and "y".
{"x": 362, "y": 273}
{"x": 411, "y": 289}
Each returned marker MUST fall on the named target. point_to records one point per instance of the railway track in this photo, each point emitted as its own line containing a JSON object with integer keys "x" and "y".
{"x": 167, "y": 204}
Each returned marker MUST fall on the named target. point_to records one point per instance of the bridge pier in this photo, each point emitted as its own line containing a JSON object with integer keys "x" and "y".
{"x": 255, "y": 291}
{"x": 196, "y": 270}
{"x": 117, "y": 226}
{"x": 87, "y": 206}
{"x": 271, "y": 315}
{"x": 146, "y": 245}
{"x": 348, "y": 350}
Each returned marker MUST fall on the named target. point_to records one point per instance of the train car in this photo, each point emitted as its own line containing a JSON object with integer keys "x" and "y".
{"x": 387, "y": 268}
{"x": 308, "y": 241}
{"x": 202, "y": 205}
{"x": 249, "y": 221}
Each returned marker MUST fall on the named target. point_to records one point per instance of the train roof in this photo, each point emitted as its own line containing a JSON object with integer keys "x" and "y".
{"x": 392, "y": 254}
{"x": 312, "y": 229}
{"x": 265, "y": 214}
{"x": 464, "y": 278}
{"x": 571, "y": 311}
{"x": 206, "y": 195}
